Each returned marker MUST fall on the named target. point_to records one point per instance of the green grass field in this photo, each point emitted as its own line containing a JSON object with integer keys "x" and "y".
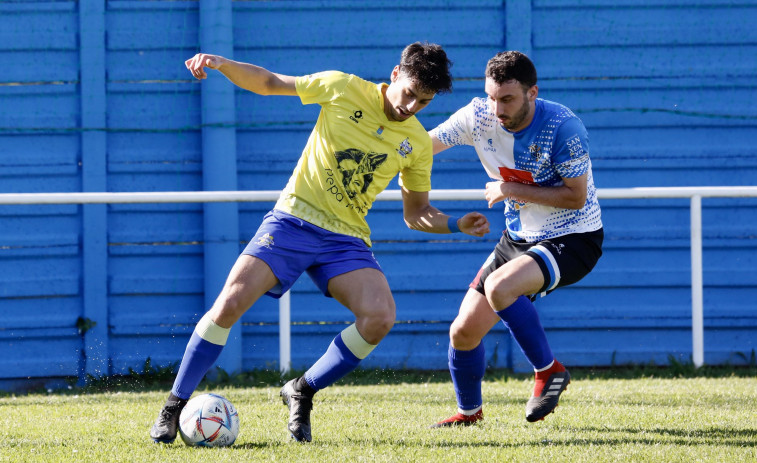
{"x": 375, "y": 416}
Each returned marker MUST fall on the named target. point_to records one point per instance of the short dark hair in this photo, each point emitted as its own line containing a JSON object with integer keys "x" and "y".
{"x": 511, "y": 65}
{"x": 427, "y": 64}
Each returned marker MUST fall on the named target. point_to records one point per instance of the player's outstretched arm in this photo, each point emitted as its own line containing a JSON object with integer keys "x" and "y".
{"x": 570, "y": 195}
{"x": 436, "y": 144}
{"x": 422, "y": 216}
{"x": 247, "y": 76}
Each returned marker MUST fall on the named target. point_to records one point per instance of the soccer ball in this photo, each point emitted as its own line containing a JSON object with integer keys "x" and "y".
{"x": 209, "y": 420}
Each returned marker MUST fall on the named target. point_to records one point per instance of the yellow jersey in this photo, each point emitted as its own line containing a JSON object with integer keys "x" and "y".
{"x": 352, "y": 154}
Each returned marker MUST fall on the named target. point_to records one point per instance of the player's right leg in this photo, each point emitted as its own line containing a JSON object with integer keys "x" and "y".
{"x": 275, "y": 257}
{"x": 249, "y": 279}
{"x": 467, "y": 360}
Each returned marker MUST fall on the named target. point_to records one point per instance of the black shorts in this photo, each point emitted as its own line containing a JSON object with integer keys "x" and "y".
{"x": 563, "y": 260}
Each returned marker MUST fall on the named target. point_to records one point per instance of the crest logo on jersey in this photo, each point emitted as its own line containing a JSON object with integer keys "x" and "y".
{"x": 356, "y": 115}
{"x": 378, "y": 132}
{"x": 534, "y": 150}
{"x": 266, "y": 241}
{"x": 405, "y": 148}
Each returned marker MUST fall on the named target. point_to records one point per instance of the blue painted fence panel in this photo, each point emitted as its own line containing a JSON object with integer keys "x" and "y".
{"x": 665, "y": 88}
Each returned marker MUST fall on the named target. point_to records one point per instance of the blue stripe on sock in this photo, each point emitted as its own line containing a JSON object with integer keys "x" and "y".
{"x": 335, "y": 364}
{"x": 523, "y": 322}
{"x": 199, "y": 356}
{"x": 467, "y": 369}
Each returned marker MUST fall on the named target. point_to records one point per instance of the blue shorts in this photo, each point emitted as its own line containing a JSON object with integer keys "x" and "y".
{"x": 290, "y": 246}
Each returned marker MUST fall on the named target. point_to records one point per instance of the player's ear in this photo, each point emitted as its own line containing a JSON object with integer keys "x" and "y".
{"x": 533, "y": 92}
{"x": 395, "y": 73}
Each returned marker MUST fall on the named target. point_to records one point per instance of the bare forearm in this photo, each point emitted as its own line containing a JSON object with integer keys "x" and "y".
{"x": 429, "y": 220}
{"x": 558, "y": 196}
{"x": 422, "y": 216}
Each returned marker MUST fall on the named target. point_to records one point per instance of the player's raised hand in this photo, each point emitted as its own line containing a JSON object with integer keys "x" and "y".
{"x": 200, "y": 61}
{"x": 474, "y": 223}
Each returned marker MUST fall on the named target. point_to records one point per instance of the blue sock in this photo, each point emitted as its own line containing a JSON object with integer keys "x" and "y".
{"x": 467, "y": 368}
{"x": 523, "y": 322}
{"x": 332, "y": 366}
{"x": 199, "y": 356}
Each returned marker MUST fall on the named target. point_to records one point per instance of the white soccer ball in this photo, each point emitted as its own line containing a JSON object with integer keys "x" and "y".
{"x": 209, "y": 420}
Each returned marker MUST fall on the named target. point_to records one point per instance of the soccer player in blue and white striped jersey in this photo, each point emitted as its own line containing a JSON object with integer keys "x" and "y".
{"x": 537, "y": 154}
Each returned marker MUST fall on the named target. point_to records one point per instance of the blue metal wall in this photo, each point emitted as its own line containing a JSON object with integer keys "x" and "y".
{"x": 94, "y": 96}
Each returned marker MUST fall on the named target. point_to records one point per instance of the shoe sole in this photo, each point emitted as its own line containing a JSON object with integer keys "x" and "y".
{"x": 163, "y": 441}
{"x": 158, "y": 440}
{"x": 300, "y": 441}
{"x": 534, "y": 420}
{"x": 453, "y": 425}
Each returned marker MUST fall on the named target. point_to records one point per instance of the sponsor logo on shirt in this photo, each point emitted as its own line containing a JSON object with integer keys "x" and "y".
{"x": 575, "y": 147}
{"x": 356, "y": 115}
{"x": 356, "y": 168}
{"x": 516, "y": 175}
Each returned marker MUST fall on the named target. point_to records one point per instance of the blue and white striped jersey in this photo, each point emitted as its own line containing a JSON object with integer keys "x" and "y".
{"x": 554, "y": 146}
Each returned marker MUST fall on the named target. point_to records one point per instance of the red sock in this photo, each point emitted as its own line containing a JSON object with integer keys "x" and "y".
{"x": 543, "y": 376}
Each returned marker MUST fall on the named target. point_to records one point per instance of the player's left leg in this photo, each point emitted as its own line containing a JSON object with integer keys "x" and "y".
{"x": 350, "y": 273}
{"x": 366, "y": 293}
{"x": 505, "y": 289}
{"x": 544, "y": 266}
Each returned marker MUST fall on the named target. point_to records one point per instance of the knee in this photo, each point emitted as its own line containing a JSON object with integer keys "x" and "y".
{"x": 228, "y": 304}
{"x": 462, "y": 337}
{"x": 228, "y": 308}
{"x": 374, "y": 326}
{"x": 383, "y": 320}
{"x": 498, "y": 294}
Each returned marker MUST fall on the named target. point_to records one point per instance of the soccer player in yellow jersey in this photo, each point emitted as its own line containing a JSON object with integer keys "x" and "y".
{"x": 365, "y": 135}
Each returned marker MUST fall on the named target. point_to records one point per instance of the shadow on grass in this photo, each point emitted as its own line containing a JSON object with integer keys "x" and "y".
{"x": 607, "y": 437}
{"x": 574, "y": 442}
{"x": 720, "y": 434}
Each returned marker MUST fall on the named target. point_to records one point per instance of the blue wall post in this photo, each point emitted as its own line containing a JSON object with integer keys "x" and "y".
{"x": 219, "y": 164}
{"x": 94, "y": 171}
{"x": 518, "y": 28}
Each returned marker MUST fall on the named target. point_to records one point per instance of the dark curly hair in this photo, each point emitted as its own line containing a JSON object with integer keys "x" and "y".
{"x": 511, "y": 65}
{"x": 427, "y": 65}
